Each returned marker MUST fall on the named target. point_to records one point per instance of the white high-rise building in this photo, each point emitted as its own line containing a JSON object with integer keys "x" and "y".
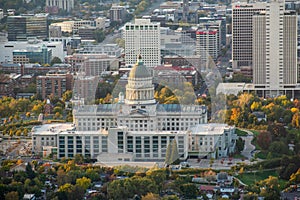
{"x": 142, "y": 38}
{"x": 275, "y": 50}
{"x": 242, "y": 32}
{"x": 208, "y": 45}
{"x": 66, "y": 5}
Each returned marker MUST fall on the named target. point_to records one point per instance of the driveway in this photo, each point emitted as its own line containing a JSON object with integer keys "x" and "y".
{"x": 249, "y": 148}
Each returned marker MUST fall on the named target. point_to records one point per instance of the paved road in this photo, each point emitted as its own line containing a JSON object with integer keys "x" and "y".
{"x": 110, "y": 38}
{"x": 249, "y": 148}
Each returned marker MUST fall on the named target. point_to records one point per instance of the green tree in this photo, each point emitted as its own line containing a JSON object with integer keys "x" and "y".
{"x": 30, "y": 173}
{"x": 158, "y": 176}
{"x": 174, "y": 158}
{"x": 189, "y": 190}
{"x": 278, "y": 147}
{"x": 57, "y": 109}
{"x": 240, "y": 143}
{"x": 168, "y": 154}
{"x": 55, "y": 60}
{"x": 127, "y": 188}
{"x": 99, "y": 35}
{"x": 170, "y": 197}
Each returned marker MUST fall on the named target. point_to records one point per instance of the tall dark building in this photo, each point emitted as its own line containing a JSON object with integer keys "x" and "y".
{"x": 23, "y": 26}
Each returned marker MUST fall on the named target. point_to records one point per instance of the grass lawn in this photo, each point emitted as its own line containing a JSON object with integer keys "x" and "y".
{"x": 239, "y": 132}
{"x": 262, "y": 155}
{"x": 251, "y": 178}
{"x": 255, "y": 132}
{"x": 254, "y": 142}
{"x": 238, "y": 156}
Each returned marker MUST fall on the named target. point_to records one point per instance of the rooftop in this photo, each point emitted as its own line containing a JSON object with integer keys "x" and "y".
{"x": 51, "y": 129}
{"x": 210, "y": 129}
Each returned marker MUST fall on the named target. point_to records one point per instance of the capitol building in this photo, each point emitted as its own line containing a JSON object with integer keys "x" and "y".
{"x": 137, "y": 128}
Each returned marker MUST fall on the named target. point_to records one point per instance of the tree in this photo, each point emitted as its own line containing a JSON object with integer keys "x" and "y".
{"x": 295, "y": 177}
{"x": 57, "y": 115}
{"x": 28, "y": 114}
{"x": 235, "y": 115}
{"x": 174, "y": 158}
{"x": 172, "y": 155}
{"x": 151, "y": 196}
{"x": 168, "y": 154}
{"x": 83, "y": 182}
{"x": 127, "y": 188}
{"x": 14, "y": 195}
{"x": 256, "y": 106}
{"x": 37, "y": 109}
{"x": 67, "y": 95}
{"x": 288, "y": 171}
{"x": 78, "y": 159}
{"x": 120, "y": 42}
{"x": 189, "y": 190}
{"x": 30, "y": 173}
{"x": 57, "y": 109}
{"x": 170, "y": 197}
{"x": 99, "y": 35}
{"x": 278, "y": 147}
{"x": 270, "y": 188}
{"x": 18, "y": 132}
{"x": 264, "y": 139}
{"x": 296, "y": 120}
{"x": 64, "y": 190}
{"x": 240, "y": 143}
{"x": 55, "y": 60}
{"x": 158, "y": 176}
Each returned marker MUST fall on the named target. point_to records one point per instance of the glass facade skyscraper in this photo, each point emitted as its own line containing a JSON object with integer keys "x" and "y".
{"x": 23, "y": 26}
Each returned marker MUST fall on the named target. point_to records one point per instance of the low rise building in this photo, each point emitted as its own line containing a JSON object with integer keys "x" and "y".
{"x": 31, "y": 45}
{"x": 54, "y": 82}
{"x": 212, "y": 140}
{"x": 176, "y": 74}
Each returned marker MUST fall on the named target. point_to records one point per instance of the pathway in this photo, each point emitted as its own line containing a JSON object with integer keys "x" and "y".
{"x": 249, "y": 148}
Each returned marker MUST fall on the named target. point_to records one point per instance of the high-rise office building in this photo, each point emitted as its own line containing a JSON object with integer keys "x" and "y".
{"x": 275, "y": 49}
{"x": 66, "y": 5}
{"x": 24, "y": 26}
{"x": 142, "y": 37}
{"x": 242, "y": 32}
{"x": 208, "y": 45}
{"x": 117, "y": 13}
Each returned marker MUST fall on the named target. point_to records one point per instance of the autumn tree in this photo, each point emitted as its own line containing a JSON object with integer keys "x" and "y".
{"x": 127, "y": 188}
{"x": 14, "y": 195}
{"x": 264, "y": 139}
{"x": 83, "y": 182}
{"x": 296, "y": 120}
{"x": 270, "y": 188}
{"x": 295, "y": 177}
{"x": 151, "y": 196}
{"x": 67, "y": 95}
